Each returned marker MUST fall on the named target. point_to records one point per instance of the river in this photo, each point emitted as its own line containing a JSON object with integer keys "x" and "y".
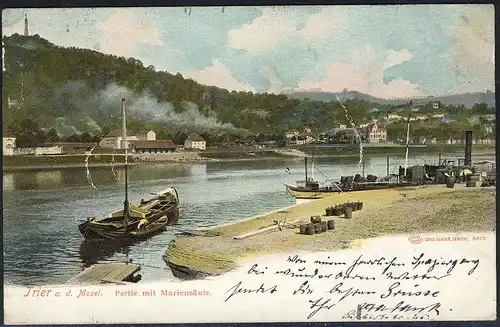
{"x": 41, "y": 209}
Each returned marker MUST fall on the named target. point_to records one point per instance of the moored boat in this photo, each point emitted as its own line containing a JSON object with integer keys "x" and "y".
{"x": 311, "y": 189}
{"x": 134, "y": 221}
{"x": 144, "y": 219}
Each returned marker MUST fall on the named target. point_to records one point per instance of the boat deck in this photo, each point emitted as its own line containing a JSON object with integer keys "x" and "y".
{"x": 102, "y": 273}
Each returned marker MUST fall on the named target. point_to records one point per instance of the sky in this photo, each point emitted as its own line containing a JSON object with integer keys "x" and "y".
{"x": 386, "y": 51}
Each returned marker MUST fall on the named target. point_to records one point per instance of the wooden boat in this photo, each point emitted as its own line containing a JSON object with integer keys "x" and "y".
{"x": 311, "y": 189}
{"x": 134, "y": 221}
{"x": 144, "y": 219}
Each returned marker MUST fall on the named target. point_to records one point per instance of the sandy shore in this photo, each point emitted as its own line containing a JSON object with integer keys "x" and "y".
{"x": 386, "y": 212}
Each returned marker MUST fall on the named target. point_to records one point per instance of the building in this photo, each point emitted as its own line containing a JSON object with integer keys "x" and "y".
{"x": 113, "y": 140}
{"x": 374, "y": 133}
{"x": 12, "y": 103}
{"x": 149, "y": 136}
{"x": 195, "y": 141}
{"x": 153, "y": 146}
{"x": 9, "y": 143}
{"x": 348, "y": 135}
{"x": 394, "y": 117}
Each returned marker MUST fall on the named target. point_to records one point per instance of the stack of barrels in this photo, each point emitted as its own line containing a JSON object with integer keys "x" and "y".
{"x": 475, "y": 180}
{"x": 345, "y": 209}
{"x": 317, "y": 226}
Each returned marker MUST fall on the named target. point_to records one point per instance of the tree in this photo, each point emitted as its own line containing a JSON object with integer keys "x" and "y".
{"x": 73, "y": 138}
{"x": 86, "y": 137}
{"x": 52, "y": 135}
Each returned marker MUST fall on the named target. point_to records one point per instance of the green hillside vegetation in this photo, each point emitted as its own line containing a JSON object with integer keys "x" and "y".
{"x": 75, "y": 93}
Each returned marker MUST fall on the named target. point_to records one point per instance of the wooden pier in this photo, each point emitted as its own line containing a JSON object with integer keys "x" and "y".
{"x": 105, "y": 273}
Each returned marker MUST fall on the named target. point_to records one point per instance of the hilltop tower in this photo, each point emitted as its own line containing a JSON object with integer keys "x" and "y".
{"x": 25, "y": 25}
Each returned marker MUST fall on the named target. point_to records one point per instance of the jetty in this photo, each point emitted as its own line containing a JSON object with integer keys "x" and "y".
{"x": 409, "y": 210}
{"x": 105, "y": 273}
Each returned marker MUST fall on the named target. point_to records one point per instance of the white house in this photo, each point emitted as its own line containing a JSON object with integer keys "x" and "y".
{"x": 375, "y": 133}
{"x": 393, "y": 117}
{"x": 195, "y": 141}
{"x": 113, "y": 140}
{"x": 149, "y": 136}
{"x": 289, "y": 135}
{"x": 9, "y": 143}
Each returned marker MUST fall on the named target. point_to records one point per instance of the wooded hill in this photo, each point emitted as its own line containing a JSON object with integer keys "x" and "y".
{"x": 78, "y": 91}
{"x": 74, "y": 87}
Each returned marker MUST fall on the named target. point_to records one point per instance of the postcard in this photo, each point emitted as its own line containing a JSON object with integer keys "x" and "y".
{"x": 249, "y": 164}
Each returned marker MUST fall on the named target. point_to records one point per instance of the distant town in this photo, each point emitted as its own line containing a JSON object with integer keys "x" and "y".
{"x": 377, "y": 131}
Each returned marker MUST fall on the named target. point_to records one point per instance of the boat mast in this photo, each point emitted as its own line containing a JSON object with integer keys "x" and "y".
{"x": 407, "y": 144}
{"x": 387, "y": 166}
{"x": 312, "y": 167}
{"x": 125, "y": 145}
{"x": 305, "y": 166}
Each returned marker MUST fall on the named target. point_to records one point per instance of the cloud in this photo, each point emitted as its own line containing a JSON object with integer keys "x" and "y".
{"x": 473, "y": 47}
{"x": 265, "y": 33}
{"x": 276, "y": 27}
{"x": 218, "y": 75}
{"x": 367, "y": 76}
{"x": 321, "y": 26}
{"x": 397, "y": 57}
{"x": 123, "y": 30}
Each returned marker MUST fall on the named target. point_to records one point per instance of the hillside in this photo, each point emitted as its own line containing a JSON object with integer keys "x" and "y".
{"x": 466, "y": 99}
{"x": 80, "y": 90}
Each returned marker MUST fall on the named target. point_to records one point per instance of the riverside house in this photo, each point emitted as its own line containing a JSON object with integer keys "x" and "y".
{"x": 153, "y": 146}
{"x": 9, "y": 143}
{"x": 114, "y": 139}
{"x": 195, "y": 141}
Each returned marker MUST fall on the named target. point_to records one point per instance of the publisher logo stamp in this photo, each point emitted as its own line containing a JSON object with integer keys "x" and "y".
{"x": 415, "y": 239}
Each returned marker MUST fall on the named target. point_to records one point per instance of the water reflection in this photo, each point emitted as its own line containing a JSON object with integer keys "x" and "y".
{"x": 93, "y": 251}
{"x": 42, "y": 209}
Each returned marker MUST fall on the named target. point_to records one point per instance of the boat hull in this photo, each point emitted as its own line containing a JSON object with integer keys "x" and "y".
{"x": 320, "y": 193}
{"x": 165, "y": 211}
{"x": 298, "y": 194}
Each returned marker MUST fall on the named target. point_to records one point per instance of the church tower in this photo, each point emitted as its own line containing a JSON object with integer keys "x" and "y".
{"x": 25, "y": 25}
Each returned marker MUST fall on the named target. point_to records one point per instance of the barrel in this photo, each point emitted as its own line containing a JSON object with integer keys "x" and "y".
{"x": 315, "y": 219}
{"x": 450, "y": 183}
{"x": 318, "y": 228}
{"x": 341, "y": 210}
{"x": 329, "y": 211}
{"x": 354, "y": 206}
{"x": 309, "y": 229}
{"x": 303, "y": 228}
{"x": 330, "y": 224}
{"x": 324, "y": 226}
{"x": 360, "y": 205}
{"x": 348, "y": 212}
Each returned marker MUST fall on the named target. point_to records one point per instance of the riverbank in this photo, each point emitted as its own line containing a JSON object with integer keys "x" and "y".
{"x": 423, "y": 209}
{"x": 12, "y": 163}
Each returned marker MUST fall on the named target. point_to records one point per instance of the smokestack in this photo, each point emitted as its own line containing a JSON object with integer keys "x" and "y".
{"x": 468, "y": 148}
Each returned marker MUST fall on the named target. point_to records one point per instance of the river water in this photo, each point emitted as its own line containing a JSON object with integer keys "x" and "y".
{"x": 41, "y": 209}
